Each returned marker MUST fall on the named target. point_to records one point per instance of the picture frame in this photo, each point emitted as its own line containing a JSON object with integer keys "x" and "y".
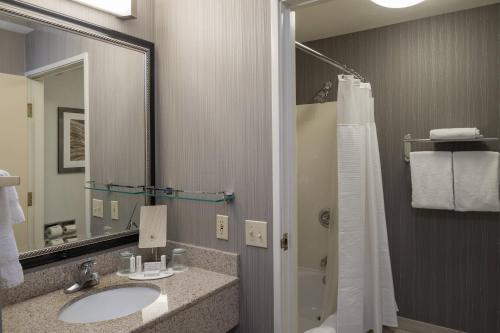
{"x": 71, "y": 140}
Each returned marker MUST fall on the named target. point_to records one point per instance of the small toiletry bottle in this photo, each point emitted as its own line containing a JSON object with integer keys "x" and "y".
{"x": 138, "y": 263}
{"x": 163, "y": 260}
{"x": 132, "y": 264}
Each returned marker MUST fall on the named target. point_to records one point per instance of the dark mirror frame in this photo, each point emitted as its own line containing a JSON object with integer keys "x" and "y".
{"x": 60, "y": 21}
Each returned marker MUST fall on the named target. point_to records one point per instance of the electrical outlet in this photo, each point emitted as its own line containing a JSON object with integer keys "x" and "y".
{"x": 115, "y": 215}
{"x": 222, "y": 226}
{"x": 256, "y": 233}
{"x": 97, "y": 208}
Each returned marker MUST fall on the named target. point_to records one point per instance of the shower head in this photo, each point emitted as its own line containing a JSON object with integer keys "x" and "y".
{"x": 321, "y": 96}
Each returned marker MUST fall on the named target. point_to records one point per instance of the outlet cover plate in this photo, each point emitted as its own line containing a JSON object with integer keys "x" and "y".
{"x": 222, "y": 227}
{"x": 256, "y": 233}
{"x": 97, "y": 208}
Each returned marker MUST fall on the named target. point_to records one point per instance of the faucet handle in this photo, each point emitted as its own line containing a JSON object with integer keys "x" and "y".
{"x": 87, "y": 264}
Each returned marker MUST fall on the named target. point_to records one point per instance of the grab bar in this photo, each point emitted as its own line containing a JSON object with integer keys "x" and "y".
{"x": 10, "y": 181}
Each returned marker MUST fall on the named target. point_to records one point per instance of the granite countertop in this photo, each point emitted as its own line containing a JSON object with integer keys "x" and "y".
{"x": 185, "y": 289}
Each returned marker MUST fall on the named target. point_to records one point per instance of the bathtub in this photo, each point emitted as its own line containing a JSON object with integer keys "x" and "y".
{"x": 310, "y": 298}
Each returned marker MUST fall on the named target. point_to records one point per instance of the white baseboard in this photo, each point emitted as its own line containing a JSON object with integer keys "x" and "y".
{"x": 413, "y": 326}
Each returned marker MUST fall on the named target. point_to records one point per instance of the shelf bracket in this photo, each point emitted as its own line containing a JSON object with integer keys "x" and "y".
{"x": 407, "y": 148}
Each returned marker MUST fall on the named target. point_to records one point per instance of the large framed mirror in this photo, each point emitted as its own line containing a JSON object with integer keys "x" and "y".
{"x": 77, "y": 115}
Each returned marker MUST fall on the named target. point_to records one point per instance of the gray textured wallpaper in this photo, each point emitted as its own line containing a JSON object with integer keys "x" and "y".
{"x": 214, "y": 131}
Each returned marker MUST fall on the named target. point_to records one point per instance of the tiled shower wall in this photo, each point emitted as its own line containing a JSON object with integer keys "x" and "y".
{"x": 436, "y": 72}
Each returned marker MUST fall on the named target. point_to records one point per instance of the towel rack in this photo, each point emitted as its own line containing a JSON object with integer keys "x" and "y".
{"x": 408, "y": 140}
{"x": 9, "y": 181}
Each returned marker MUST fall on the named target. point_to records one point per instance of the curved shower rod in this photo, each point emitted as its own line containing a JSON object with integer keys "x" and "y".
{"x": 329, "y": 61}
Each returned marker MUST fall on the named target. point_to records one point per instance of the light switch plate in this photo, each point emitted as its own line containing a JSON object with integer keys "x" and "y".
{"x": 256, "y": 233}
{"x": 97, "y": 209}
{"x": 222, "y": 227}
{"x": 115, "y": 215}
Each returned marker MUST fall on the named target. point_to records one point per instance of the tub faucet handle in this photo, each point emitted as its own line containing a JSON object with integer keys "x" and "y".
{"x": 323, "y": 262}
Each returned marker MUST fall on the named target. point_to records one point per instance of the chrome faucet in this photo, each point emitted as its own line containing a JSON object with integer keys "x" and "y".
{"x": 86, "y": 278}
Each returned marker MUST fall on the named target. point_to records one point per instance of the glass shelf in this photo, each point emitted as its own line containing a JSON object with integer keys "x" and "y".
{"x": 166, "y": 193}
{"x": 174, "y": 194}
{"x": 115, "y": 188}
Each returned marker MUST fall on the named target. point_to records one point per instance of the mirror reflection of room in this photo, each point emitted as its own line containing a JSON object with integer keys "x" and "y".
{"x": 60, "y": 101}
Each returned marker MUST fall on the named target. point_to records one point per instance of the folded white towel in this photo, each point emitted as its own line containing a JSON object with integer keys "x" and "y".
{"x": 454, "y": 133}
{"x": 11, "y": 272}
{"x": 432, "y": 179}
{"x": 476, "y": 181}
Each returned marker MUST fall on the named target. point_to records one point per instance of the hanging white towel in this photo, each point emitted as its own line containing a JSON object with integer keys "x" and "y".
{"x": 11, "y": 272}
{"x": 432, "y": 179}
{"x": 476, "y": 181}
{"x": 454, "y": 133}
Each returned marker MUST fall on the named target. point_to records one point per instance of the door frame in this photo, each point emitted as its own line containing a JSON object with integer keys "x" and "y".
{"x": 37, "y": 183}
{"x": 35, "y": 174}
{"x": 285, "y": 262}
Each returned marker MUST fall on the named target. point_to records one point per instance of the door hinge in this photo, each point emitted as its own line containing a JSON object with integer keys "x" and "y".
{"x": 30, "y": 199}
{"x": 284, "y": 242}
{"x": 30, "y": 110}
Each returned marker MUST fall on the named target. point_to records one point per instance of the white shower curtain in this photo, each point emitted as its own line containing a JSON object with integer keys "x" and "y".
{"x": 365, "y": 297}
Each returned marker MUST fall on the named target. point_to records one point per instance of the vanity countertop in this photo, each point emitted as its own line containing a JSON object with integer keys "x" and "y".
{"x": 183, "y": 290}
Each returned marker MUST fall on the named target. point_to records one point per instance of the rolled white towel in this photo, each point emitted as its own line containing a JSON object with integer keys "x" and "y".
{"x": 69, "y": 229}
{"x": 54, "y": 242}
{"x": 54, "y": 231}
{"x": 454, "y": 133}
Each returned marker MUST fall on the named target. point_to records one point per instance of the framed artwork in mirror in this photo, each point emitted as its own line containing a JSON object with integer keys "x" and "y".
{"x": 71, "y": 140}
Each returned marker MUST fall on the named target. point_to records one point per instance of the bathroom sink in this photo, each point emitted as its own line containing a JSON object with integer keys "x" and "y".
{"x": 109, "y": 304}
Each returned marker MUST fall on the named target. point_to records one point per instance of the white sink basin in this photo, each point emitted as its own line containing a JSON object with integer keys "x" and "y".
{"x": 108, "y": 304}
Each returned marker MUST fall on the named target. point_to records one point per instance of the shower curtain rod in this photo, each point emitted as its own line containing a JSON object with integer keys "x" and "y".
{"x": 328, "y": 60}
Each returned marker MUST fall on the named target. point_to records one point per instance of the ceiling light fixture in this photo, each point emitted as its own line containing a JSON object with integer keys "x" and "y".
{"x": 397, "y": 3}
{"x": 119, "y": 8}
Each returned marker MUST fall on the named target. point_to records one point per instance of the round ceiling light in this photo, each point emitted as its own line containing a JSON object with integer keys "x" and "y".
{"x": 397, "y": 3}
